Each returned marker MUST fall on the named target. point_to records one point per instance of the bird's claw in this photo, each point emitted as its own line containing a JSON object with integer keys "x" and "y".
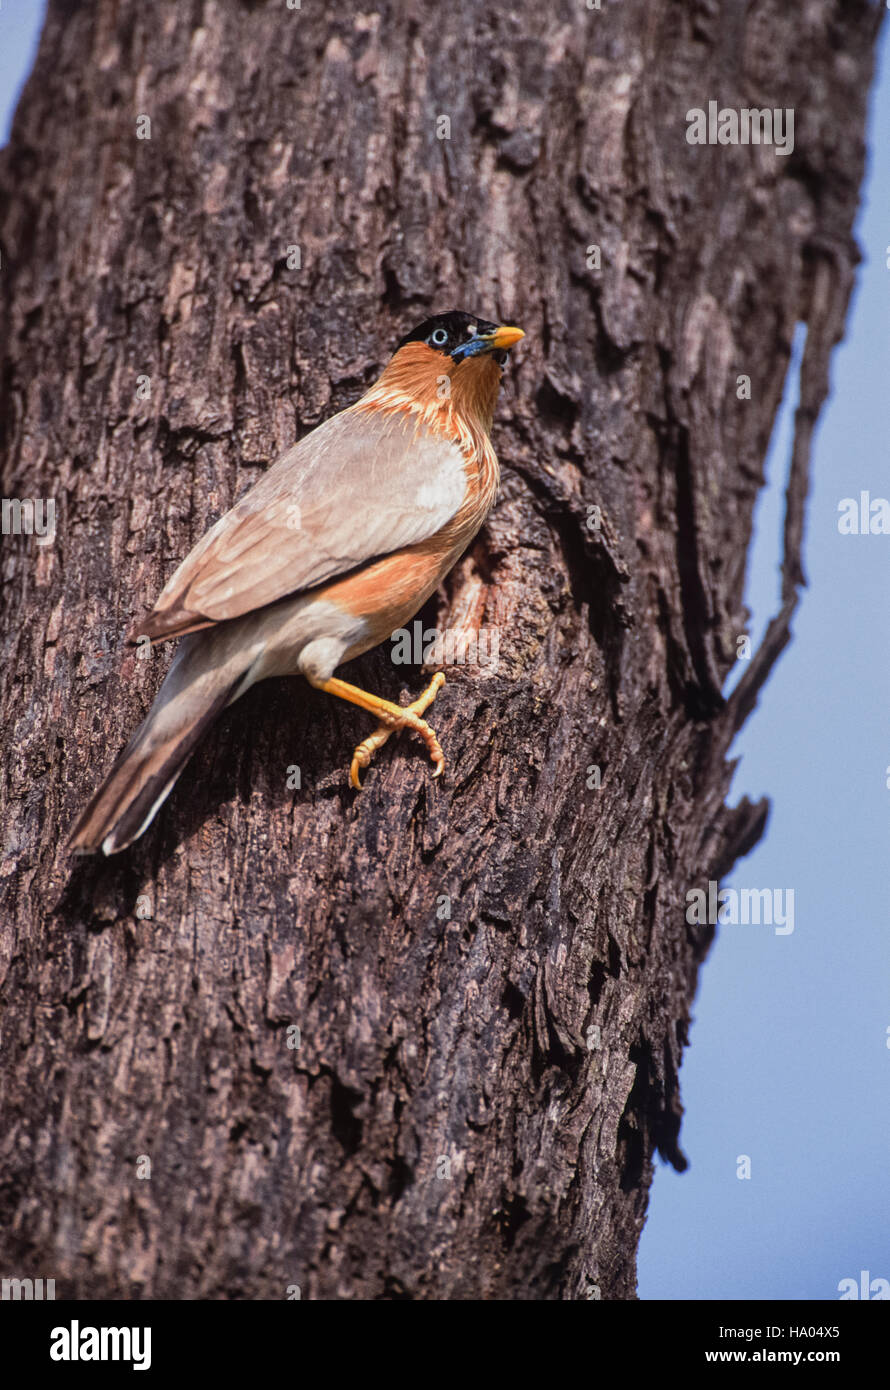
{"x": 407, "y": 718}
{"x": 365, "y": 751}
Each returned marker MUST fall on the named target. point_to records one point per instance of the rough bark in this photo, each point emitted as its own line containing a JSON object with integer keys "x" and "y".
{"x": 532, "y": 1038}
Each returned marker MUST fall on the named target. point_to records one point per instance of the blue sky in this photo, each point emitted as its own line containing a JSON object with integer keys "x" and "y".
{"x": 789, "y": 1062}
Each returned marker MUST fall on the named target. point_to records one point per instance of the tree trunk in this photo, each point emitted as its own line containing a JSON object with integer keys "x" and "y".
{"x": 423, "y": 1041}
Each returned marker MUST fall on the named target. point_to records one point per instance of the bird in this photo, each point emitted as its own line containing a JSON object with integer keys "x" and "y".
{"x": 341, "y": 541}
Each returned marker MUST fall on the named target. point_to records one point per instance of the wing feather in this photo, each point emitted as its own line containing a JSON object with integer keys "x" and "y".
{"x": 361, "y": 485}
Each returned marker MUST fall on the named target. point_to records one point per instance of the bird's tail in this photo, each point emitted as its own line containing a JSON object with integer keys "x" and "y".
{"x": 189, "y": 700}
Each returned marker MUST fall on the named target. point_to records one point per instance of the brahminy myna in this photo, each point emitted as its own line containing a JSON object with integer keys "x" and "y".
{"x": 340, "y": 543}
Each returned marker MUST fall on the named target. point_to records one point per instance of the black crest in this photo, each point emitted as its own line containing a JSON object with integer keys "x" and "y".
{"x": 458, "y": 327}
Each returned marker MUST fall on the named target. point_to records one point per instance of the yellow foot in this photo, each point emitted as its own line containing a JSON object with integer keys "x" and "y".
{"x": 407, "y": 717}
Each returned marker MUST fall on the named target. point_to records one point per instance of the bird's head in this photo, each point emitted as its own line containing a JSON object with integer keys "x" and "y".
{"x": 449, "y": 368}
{"x": 459, "y": 336}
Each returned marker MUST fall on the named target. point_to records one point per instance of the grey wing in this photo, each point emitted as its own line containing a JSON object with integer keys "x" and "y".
{"x": 361, "y": 485}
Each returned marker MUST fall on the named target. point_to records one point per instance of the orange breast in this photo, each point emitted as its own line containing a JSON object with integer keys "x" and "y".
{"x": 388, "y": 592}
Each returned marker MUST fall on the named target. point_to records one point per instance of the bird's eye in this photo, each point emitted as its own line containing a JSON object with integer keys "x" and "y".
{"x": 438, "y": 337}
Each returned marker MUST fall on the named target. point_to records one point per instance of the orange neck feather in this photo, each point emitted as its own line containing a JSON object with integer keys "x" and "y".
{"x": 456, "y": 399}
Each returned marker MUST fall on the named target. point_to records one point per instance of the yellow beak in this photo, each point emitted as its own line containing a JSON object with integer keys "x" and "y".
{"x": 505, "y": 337}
